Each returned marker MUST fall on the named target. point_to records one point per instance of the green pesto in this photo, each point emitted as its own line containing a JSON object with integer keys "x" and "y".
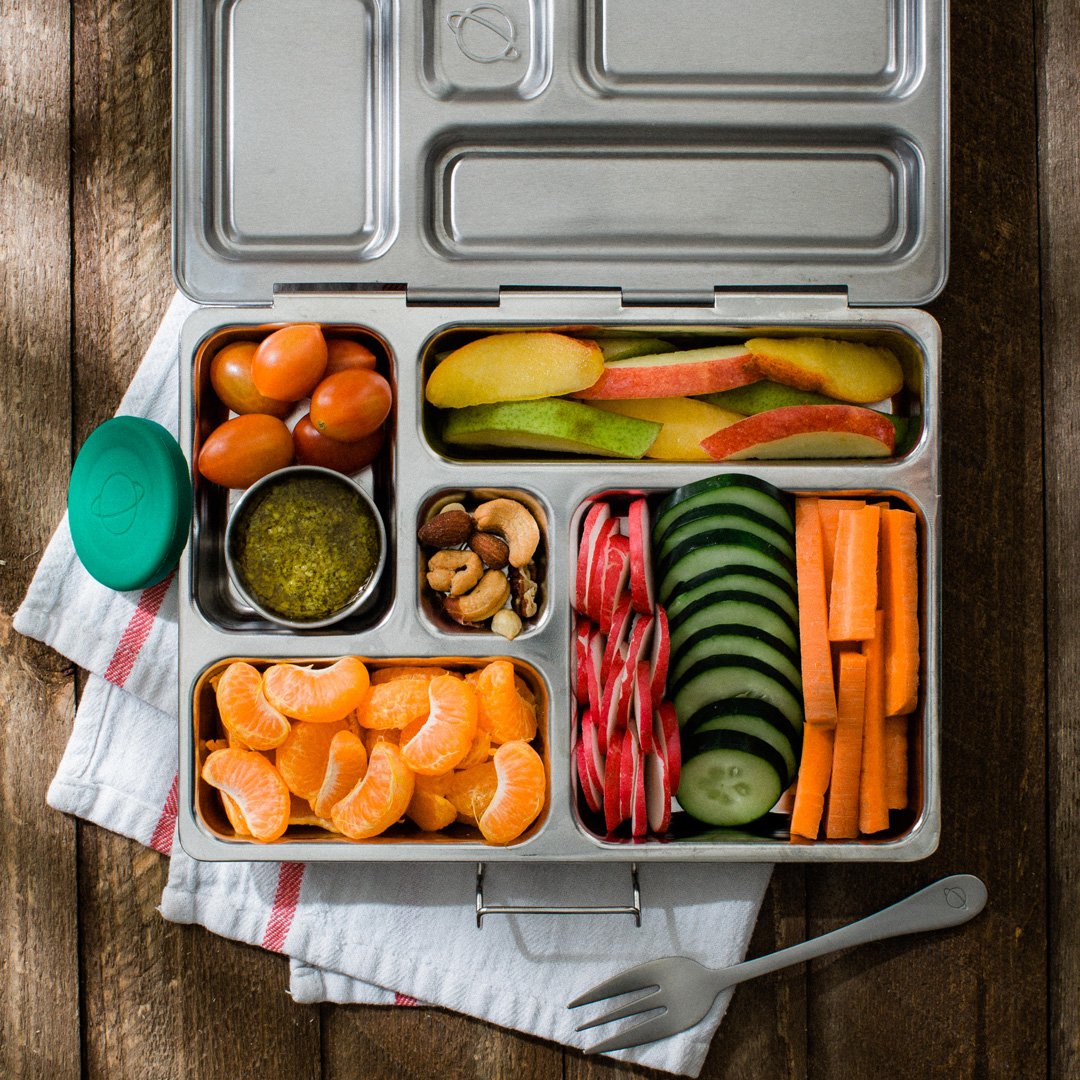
{"x": 306, "y": 547}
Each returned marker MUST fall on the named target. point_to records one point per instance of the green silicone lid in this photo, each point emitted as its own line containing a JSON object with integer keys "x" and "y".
{"x": 129, "y": 503}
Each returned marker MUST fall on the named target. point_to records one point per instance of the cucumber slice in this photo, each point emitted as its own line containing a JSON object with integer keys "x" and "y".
{"x": 712, "y": 549}
{"x": 728, "y": 607}
{"x": 749, "y": 579}
{"x": 751, "y": 717}
{"x": 753, "y": 493}
{"x": 729, "y": 778}
{"x": 706, "y": 519}
{"x": 733, "y": 639}
{"x": 730, "y": 677}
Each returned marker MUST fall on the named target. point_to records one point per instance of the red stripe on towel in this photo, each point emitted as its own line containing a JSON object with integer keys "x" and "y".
{"x": 162, "y": 838}
{"x": 286, "y": 897}
{"x": 136, "y": 632}
{"x": 404, "y": 999}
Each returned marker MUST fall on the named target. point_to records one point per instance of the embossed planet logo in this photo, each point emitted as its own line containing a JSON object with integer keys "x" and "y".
{"x": 955, "y": 897}
{"x": 484, "y": 33}
{"x": 117, "y": 503}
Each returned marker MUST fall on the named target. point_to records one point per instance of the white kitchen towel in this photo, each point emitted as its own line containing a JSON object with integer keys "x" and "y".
{"x": 365, "y": 933}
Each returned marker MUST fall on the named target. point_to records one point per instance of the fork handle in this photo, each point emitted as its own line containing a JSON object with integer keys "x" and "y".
{"x": 948, "y": 902}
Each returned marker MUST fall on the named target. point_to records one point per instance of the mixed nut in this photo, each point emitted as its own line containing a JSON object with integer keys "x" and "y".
{"x": 484, "y": 558}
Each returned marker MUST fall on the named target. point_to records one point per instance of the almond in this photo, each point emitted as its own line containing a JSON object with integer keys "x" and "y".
{"x": 494, "y": 550}
{"x": 448, "y": 529}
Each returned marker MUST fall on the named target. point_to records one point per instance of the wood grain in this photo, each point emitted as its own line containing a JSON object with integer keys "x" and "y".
{"x": 39, "y": 1004}
{"x": 1059, "y": 158}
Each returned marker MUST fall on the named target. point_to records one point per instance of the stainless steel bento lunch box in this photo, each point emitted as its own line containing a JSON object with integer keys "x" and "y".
{"x": 413, "y": 174}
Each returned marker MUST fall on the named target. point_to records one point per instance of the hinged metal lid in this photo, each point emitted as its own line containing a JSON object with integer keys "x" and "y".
{"x": 664, "y": 147}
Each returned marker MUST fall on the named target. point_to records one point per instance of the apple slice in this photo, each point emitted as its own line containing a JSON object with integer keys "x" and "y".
{"x": 661, "y": 653}
{"x": 639, "y": 817}
{"x": 805, "y": 431}
{"x": 641, "y": 578}
{"x": 597, "y": 514}
{"x": 582, "y": 632}
{"x": 616, "y": 577}
{"x": 613, "y": 816}
{"x": 674, "y": 374}
{"x": 598, "y": 565}
{"x": 617, "y": 634}
{"x": 618, "y": 692}
{"x": 594, "y": 795}
{"x": 643, "y": 705}
{"x": 657, "y": 792}
{"x": 667, "y": 741}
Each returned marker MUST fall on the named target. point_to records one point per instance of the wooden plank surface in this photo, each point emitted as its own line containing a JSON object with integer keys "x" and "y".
{"x": 162, "y": 1001}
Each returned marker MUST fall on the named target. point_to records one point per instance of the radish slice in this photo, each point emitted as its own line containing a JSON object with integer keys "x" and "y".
{"x": 661, "y": 654}
{"x": 590, "y": 733}
{"x": 607, "y": 530}
{"x": 592, "y": 680}
{"x": 616, "y": 575}
{"x": 641, "y": 576}
{"x": 613, "y": 817}
{"x": 666, "y": 739}
{"x": 618, "y": 690}
{"x": 657, "y": 792}
{"x": 582, "y": 632}
{"x": 583, "y": 760}
{"x": 641, "y": 637}
{"x": 620, "y": 628}
{"x": 643, "y": 706}
{"x": 630, "y": 751}
{"x": 597, "y": 514}
{"x": 639, "y": 818}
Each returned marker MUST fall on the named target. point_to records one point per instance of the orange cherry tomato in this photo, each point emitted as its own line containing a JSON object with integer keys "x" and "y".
{"x": 344, "y": 353}
{"x": 351, "y": 404}
{"x": 245, "y": 449}
{"x": 314, "y": 448}
{"x": 289, "y": 363}
{"x": 230, "y": 375}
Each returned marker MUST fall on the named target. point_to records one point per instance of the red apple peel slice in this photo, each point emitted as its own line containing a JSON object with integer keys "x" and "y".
{"x": 642, "y": 592}
{"x": 595, "y": 517}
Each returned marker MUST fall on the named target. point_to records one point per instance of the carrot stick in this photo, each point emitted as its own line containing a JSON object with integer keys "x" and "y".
{"x": 873, "y": 809}
{"x": 830, "y": 510}
{"x": 896, "y": 762}
{"x": 853, "y": 599}
{"x": 843, "y": 818}
{"x": 819, "y": 695}
{"x": 900, "y": 601}
{"x": 815, "y": 768}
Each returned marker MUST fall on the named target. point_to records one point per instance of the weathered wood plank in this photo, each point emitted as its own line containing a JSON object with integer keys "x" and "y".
{"x": 972, "y": 1002}
{"x": 1059, "y": 168}
{"x": 39, "y": 1003}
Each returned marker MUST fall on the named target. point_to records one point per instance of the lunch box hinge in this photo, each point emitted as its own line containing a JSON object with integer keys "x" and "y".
{"x": 668, "y": 298}
{"x": 442, "y": 296}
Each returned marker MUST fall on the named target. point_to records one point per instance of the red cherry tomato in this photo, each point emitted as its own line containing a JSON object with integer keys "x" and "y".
{"x": 313, "y": 448}
{"x": 344, "y": 353}
{"x": 230, "y": 375}
{"x": 351, "y": 404}
{"x": 245, "y": 449}
{"x": 289, "y": 363}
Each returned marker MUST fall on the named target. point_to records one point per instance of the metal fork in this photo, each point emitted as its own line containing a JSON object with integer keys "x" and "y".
{"x": 684, "y": 990}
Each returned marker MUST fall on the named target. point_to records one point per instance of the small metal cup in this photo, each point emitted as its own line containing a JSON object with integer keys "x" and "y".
{"x": 362, "y": 597}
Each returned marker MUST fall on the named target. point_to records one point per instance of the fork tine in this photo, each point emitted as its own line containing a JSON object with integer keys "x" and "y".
{"x": 657, "y": 1027}
{"x": 645, "y": 1003}
{"x": 641, "y": 977}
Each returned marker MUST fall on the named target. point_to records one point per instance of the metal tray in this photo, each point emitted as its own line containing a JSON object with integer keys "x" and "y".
{"x": 419, "y": 473}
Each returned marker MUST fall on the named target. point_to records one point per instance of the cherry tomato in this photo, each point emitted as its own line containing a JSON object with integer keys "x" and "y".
{"x": 245, "y": 449}
{"x": 289, "y": 363}
{"x": 351, "y": 404}
{"x": 230, "y": 375}
{"x": 344, "y": 353}
{"x": 313, "y": 448}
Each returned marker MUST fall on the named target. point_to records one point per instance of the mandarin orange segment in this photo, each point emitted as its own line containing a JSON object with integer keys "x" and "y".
{"x": 346, "y": 764}
{"x": 317, "y": 695}
{"x": 504, "y": 713}
{"x": 255, "y": 786}
{"x": 394, "y": 704}
{"x": 472, "y": 789}
{"x": 478, "y": 752}
{"x": 301, "y": 813}
{"x": 235, "y": 815}
{"x": 402, "y": 671}
{"x": 244, "y": 710}
{"x": 448, "y": 732}
{"x": 380, "y": 798}
{"x": 429, "y": 811}
{"x": 519, "y": 797}
{"x": 437, "y": 785}
{"x": 301, "y": 758}
{"x": 409, "y": 730}
{"x": 370, "y": 736}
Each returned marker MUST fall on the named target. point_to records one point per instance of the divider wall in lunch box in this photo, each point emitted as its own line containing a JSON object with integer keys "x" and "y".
{"x": 418, "y": 175}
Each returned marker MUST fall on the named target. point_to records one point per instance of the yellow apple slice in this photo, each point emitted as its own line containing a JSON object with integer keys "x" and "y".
{"x": 686, "y": 423}
{"x": 847, "y": 370}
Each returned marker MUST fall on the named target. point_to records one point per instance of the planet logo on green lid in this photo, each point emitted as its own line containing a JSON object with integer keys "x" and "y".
{"x": 117, "y": 503}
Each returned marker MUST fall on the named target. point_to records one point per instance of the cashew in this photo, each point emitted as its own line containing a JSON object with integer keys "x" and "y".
{"x": 513, "y": 523}
{"x": 489, "y": 595}
{"x": 455, "y": 572}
